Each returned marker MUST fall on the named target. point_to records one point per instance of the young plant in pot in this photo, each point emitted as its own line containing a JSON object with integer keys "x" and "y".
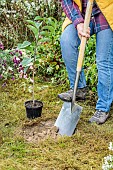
{"x": 41, "y": 34}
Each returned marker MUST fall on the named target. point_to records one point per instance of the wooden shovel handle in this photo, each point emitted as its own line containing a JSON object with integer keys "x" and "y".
{"x": 84, "y": 39}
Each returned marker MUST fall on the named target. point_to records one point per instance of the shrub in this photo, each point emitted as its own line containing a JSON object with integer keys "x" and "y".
{"x": 10, "y": 67}
{"x": 13, "y": 14}
{"x": 90, "y": 64}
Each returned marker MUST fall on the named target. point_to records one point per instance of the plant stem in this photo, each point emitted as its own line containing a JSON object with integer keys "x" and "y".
{"x": 33, "y": 82}
{"x": 35, "y": 53}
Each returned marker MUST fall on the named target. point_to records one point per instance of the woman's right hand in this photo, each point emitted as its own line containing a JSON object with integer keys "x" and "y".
{"x": 81, "y": 34}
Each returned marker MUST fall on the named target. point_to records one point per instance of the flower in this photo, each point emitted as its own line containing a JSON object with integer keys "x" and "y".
{"x": 20, "y": 52}
{"x": 25, "y": 76}
{"x": 20, "y": 68}
{"x": 1, "y": 46}
{"x": 110, "y": 146}
{"x": 108, "y": 160}
{"x": 31, "y": 67}
{"x": 11, "y": 53}
{"x": 16, "y": 60}
{"x": 13, "y": 78}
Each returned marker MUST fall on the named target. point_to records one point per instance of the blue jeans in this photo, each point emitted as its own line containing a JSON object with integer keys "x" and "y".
{"x": 104, "y": 59}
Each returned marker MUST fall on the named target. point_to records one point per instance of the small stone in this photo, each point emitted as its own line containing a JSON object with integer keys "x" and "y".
{"x": 40, "y": 134}
{"x": 55, "y": 129}
{"x": 44, "y": 132}
{"x": 30, "y": 139}
{"x": 48, "y": 131}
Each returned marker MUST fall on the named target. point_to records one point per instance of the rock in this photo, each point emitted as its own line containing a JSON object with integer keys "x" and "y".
{"x": 55, "y": 129}
{"x": 41, "y": 135}
{"x": 44, "y": 132}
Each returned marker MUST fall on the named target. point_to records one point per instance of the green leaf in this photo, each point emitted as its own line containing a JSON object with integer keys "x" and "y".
{"x": 38, "y": 24}
{"x": 34, "y": 23}
{"x": 25, "y": 69}
{"x": 44, "y": 33}
{"x": 39, "y": 18}
{"x": 34, "y": 30}
{"x": 50, "y": 28}
{"x": 57, "y": 67}
{"x": 52, "y": 18}
{"x": 52, "y": 21}
{"x": 36, "y": 62}
{"x": 30, "y": 48}
{"x": 45, "y": 40}
{"x": 30, "y": 22}
{"x": 24, "y": 45}
{"x": 26, "y": 62}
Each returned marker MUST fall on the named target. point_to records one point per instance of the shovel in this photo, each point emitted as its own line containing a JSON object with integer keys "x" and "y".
{"x": 70, "y": 112}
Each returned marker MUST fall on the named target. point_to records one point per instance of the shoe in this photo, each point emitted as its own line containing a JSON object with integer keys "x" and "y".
{"x": 99, "y": 117}
{"x": 67, "y": 96}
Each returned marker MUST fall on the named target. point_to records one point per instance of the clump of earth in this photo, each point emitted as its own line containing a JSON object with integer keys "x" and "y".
{"x": 39, "y": 131}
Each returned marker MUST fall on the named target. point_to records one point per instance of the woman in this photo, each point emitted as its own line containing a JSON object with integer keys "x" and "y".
{"x": 101, "y": 24}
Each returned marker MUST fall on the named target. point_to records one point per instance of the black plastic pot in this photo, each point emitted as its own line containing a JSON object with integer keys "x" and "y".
{"x": 33, "y": 111}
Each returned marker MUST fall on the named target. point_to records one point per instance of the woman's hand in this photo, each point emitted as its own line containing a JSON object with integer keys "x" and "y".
{"x": 81, "y": 34}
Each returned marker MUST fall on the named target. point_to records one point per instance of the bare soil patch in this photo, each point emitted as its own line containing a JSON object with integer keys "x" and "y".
{"x": 35, "y": 132}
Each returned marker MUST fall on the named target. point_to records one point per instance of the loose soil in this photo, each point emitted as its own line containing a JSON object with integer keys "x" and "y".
{"x": 36, "y": 104}
{"x": 39, "y": 131}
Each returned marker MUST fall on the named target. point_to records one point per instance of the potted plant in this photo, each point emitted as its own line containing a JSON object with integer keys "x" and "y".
{"x": 41, "y": 34}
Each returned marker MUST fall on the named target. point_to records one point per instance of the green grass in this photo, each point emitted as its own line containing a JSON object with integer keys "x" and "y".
{"x": 85, "y": 150}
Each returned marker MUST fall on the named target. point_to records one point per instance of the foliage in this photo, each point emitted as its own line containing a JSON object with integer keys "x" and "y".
{"x": 10, "y": 64}
{"x": 41, "y": 34}
{"x": 90, "y": 64}
{"x": 13, "y": 14}
{"x": 51, "y": 63}
{"x": 49, "y": 60}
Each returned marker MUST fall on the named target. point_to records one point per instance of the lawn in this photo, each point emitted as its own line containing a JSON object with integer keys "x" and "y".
{"x": 85, "y": 150}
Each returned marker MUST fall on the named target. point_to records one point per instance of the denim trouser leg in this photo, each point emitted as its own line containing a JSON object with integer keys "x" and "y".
{"x": 69, "y": 47}
{"x": 104, "y": 59}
